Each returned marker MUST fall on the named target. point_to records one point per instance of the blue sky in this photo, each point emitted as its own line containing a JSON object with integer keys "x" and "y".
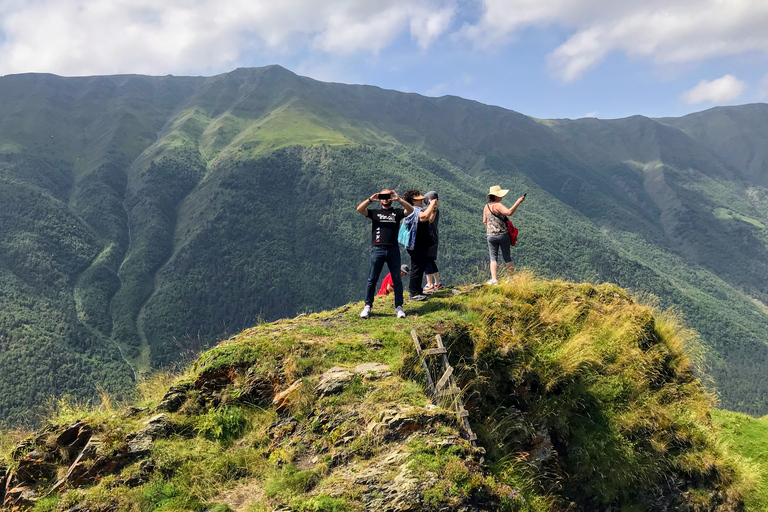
{"x": 544, "y": 58}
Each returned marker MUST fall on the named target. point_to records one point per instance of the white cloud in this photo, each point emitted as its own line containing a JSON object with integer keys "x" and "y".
{"x": 724, "y": 89}
{"x": 666, "y": 31}
{"x": 77, "y": 37}
{"x": 589, "y": 114}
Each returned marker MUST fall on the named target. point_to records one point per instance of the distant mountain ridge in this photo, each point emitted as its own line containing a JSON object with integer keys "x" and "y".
{"x": 170, "y": 211}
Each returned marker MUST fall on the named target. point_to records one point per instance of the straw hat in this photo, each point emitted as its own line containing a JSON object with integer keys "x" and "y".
{"x": 497, "y": 191}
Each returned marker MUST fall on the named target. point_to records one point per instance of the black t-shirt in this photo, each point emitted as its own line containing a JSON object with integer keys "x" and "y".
{"x": 386, "y": 224}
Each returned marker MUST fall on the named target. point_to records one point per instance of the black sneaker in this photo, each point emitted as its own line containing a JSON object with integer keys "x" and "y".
{"x": 418, "y": 297}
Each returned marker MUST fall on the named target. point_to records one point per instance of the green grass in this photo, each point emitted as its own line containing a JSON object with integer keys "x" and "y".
{"x": 725, "y": 213}
{"x": 748, "y": 437}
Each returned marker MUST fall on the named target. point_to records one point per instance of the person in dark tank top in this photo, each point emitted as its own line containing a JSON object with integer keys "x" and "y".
{"x": 420, "y": 252}
{"x": 432, "y": 271}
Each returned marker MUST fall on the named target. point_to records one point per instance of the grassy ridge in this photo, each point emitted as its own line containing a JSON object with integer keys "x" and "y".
{"x": 605, "y": 380}
{"x": 748, "y": 437}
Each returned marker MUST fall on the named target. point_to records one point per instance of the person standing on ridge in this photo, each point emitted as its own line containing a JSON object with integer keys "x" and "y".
{"x": 433, "y": 277}
{"x": 419, "y": 253}
{"x": 496, "y": 229}
{"x": 384, "y": 249}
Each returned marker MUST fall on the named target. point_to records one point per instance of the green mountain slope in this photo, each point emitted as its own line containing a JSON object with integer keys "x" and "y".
{"x": 748, "y": 437}
{"x": 564, "y": 384}
{"x": 737, "y": 134}
{"x": 210, "y": 203}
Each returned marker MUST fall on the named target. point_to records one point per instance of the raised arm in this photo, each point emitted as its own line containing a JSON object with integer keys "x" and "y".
{"x": 508, "y": 211}
{"x": 408, "y": 207}
{"x": 362, "y": 208}
{"x": 428, "y": 214}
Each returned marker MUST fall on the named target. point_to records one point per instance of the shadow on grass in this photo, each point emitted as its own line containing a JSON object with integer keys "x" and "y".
{"x": 424, "y": 307}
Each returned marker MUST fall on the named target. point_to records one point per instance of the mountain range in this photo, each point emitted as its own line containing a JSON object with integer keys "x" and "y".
{"x": 145, "y": 218}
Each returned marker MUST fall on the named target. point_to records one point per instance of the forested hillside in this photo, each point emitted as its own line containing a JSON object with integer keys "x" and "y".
{"x": 144, "y": 218}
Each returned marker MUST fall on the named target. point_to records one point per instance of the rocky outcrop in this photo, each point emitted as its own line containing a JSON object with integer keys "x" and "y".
{"x": 334, "y": 380}
{"x": 400, "y": 493}
{"x": 174, "y": 398}
{"x": 3, "y": 479}
{"x": 36, "y": 467}
{"x": 93, "y": 463}
{"x": 372, "y": 371}
{"x": 77, "y": 448}
{"x": 73, "y": 439}
{"x": 20, "y": 497}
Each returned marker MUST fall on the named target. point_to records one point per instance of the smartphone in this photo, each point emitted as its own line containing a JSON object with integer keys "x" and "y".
{"x": 384, "y": 197}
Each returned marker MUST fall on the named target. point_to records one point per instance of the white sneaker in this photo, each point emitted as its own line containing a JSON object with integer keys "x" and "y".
{"x": 400, "y": 312}
{"x": 366, "y": 312}
{"x": 492, "y": 282}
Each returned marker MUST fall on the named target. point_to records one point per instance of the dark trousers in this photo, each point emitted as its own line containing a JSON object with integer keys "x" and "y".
{"x": 379, "y": 256}
{"x": 419, "y": 262}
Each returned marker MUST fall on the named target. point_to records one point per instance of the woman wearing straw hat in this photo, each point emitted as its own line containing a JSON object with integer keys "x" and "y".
{"x": 496, "y": 228}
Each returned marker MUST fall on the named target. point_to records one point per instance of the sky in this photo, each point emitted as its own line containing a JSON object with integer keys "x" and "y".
{"x": 543, "y": 58}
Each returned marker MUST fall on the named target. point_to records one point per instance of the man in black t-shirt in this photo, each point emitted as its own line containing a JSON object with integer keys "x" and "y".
{"x": 384, "y": 249}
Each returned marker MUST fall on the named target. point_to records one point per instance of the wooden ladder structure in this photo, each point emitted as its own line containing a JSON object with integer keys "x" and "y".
{"x": 446, "y": 389}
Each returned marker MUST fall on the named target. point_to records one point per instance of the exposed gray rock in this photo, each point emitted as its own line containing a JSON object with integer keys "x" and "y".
{"x": 20, "y": 497}
{"x": 3, "y": 479}
{"x": 141, "y": 445}
{"x": 282, "y": 428}
{"x": 174, "y": 398}
{"x": 34, "y": 467}
{"x": 543, "y": 451}
{"x": 399, "y": 494}
{"x": 373, "y": 371}
{"x": 144, "y": 475}
{"x": 399, "y": 422}
{"x": 158, "y": 426}
{"x": 334, "y": 380}
{"x": 72, "y": 439}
